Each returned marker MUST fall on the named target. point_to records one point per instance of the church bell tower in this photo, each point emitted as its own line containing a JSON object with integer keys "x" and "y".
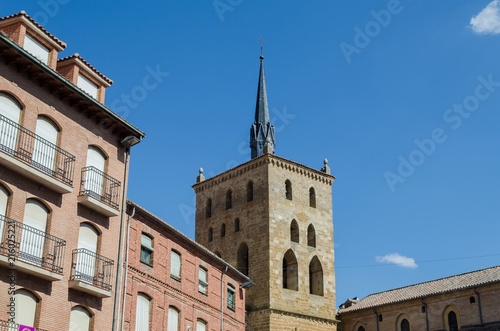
{"x": 271, "y": 218}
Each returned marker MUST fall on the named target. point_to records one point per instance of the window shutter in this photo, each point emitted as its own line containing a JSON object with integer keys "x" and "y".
{"x": 9, "y": 108}
{"x": 142, "y": 313}
{"x": 87, "y": 238}
{"x": 32, "y": 243}
{"x": 36, "y": 49}
{"x": 201, "y": 326}
{"x": 79, "y": 319}
{"x": 147, "y": 242}
{"x": 12, "y": 111}
{"x": 173, "y": 319}
{"x": 203, "y": 275}
{"x": 43, "y": 153}
{"x": 87, "y": 86}
{"x": 175, "y": 265}
{"x": 25, "y": 307}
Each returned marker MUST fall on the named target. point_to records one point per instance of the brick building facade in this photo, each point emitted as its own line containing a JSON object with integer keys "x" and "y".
{"x": 63, "y": 164}
{"x": 173, "y": 283}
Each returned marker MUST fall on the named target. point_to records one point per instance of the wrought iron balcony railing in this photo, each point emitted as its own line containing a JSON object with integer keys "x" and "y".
{"x": 31, "y": 245}
{"x": 32, "y": 149}
{"x": 9, "y": 326}
{"x": 92, "y": 268}
{"x": 100, "y": 186}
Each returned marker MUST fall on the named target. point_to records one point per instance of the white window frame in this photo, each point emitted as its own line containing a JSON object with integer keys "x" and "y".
{"x": 202, "y": 283}
{"x": 37, "y": 49}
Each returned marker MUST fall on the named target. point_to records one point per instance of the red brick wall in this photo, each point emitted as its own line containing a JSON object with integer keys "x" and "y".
{"x": 165, "y": 291}
{"x": 77, "y": 133}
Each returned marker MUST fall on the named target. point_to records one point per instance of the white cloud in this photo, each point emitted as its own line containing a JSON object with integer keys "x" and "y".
{"x": 397, "y": 259}
{"x": 488, "y": 20}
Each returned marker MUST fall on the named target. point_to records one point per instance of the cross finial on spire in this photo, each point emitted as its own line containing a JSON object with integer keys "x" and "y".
{"x": 261, "y": 47}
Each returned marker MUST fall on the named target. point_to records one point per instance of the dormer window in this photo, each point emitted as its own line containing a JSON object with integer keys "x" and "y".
{"x": 36, "y": 49}
{"x": 87, "y": 86}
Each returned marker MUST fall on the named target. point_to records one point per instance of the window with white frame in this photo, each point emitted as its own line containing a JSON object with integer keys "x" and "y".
{"x": 87, "y": 86}
{"x": 201, "y": 325}
{"x": 36, "y": 49}
{"x": 202, "y": 280}
{"x": 175, "y": 264}
{"x": 146, "y": 249}
{"x": 143, "y": 312}
{"x": 173, "y": 319}
{"x": 230, "y": 296}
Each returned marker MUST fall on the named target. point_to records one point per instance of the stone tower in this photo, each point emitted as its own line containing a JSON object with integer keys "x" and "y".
{"x": 272, "y": 219}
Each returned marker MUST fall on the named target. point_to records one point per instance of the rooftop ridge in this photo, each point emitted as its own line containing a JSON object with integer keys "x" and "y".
{"x": 23, "y": 13}
{"x": 78, "y": 56}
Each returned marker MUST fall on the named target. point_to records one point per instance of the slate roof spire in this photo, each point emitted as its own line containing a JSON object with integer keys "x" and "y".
{"x": 262, "y": 127}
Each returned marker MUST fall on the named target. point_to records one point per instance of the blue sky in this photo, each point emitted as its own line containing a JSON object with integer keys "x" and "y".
{"x": 407, "y": 112}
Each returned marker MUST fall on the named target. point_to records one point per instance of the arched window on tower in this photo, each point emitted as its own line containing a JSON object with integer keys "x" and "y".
{"x": 229, "y": 199}
{"x": 312, "y": 197}
{"x": 294, "y": 231}
{"x": 315, "y": 277}
{"x": 237, "y": 225}
{"x": 290, "y": 271}
{"x": 208, "y": 208}
{"x": 242, "y": 262}
{"x": 223, "y": 230}
{"x": 288, "y": 189}
{"x": 361, "y": 328}
{"x": 311, "y": 236}
{"x": 210, "y": 234}
{"x": 250, "y": 191}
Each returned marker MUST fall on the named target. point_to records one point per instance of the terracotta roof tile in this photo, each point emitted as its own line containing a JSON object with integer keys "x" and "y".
{"x": 23, "y": 13}
{"x": 433, "y": 287}
{"x": 77, "y": 56}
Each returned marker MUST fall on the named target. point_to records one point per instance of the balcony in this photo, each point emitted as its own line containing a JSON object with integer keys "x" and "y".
{"x": 9, "y": 326}
{"x": 91, "y": 273}
{"x": 99, "y": 192}
{"x": 29, "y": 154}
{"x": 35, "y": 252}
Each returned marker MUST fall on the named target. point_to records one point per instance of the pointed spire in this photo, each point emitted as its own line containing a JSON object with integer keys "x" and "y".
{"x": 262, "y": 127}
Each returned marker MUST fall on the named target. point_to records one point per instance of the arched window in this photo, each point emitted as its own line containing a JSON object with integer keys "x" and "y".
{"x": 4, "y": 201}
{"x": 288, "y": 189}
{"x": 95, "y": 172}
{"x": 290, "y": 271}
{"x": 405, "y": 325}
{"x": 452, "y": 321}
{"x": 10, "y": 111}
{"x": 210, "y": 234}
{"x": 88, "y": 239}
{"x": 201, "y": 325}
{"x": 44, "y": 151}
{"x": 229, "y": 199}
{"x": 223, "y": 230}
{"x": 32, "y": 245}
{"x": 311, "y": 236}
{"x": 26, "y": 307}
{"x": 208, "y": 209}
{"x": 315, "y": 277}
{"x": 250, "y": 191}
{"x": 143, "y": 312}
{"x": 361, "y": 328}
{"x": 237, "y": 225}
{"x": 294, "y": 231}
{"x": 173, "y": 319}
{"x": 175, "y": 264}
{"x": 80, "y": 319}
{"x": 242, "y": 257}
{"x": 312, "y": 197}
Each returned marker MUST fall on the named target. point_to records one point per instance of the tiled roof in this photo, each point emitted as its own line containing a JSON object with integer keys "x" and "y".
{"x": 433, "y": 287}
{"x": 77, "y": 56}
{"x": 23, "y": 13}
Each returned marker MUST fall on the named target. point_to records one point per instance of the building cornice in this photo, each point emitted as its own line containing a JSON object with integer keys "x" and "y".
{"x": 271, "y": 159}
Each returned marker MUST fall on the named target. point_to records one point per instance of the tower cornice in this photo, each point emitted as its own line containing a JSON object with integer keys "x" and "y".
{"x": 262, "y": 160}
